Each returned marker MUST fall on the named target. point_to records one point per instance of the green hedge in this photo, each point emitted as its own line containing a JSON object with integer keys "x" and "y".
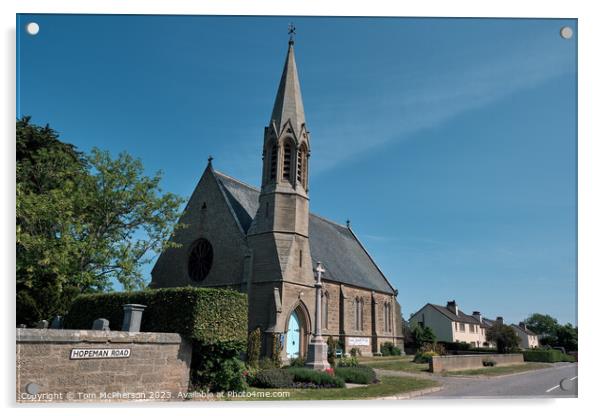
{"x": 547, "y": 356}
{"x": 201, "y": 314}
{"x": 357, "y": 375}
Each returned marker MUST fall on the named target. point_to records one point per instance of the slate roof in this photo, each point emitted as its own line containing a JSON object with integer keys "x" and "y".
{"x": 336, "y": 246}
{"x": 488, "y": 322}
{"x": 461, "y": 317}
{"x": 525, "y": 330}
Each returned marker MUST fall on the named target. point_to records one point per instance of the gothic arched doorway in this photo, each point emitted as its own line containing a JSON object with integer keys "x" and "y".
{"x": 297, "y": 332}
{"x": 293, "y": 337}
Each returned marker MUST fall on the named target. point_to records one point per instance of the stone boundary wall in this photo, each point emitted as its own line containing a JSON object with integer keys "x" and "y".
{"x": 471, "y": 362}
{"x": 156, "y": 367}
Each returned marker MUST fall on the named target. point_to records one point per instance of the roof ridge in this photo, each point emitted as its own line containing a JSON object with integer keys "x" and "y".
{"x": 328, "y": 220}
{"x": 220, "y": 173}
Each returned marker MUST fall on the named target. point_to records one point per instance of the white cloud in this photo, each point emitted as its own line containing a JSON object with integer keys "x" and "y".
{"x": 344, "y": 129}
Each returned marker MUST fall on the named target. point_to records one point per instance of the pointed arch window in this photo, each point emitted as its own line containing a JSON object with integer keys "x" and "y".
{"x": 286, "y": 168}
{"x": 273, "y": 161}
{"x": 325, "y": 302}
{"x": 387, "y": 317}
{"x": 359, "y": 313}
{"x": 302, "y": 166}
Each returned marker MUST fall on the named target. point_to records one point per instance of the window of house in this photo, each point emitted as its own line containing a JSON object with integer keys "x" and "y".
{"x": 471, "y": 327}
{"x": 462, "y": 328}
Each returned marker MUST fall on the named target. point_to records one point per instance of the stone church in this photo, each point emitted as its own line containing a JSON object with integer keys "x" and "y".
{"x": 266, "y": 243}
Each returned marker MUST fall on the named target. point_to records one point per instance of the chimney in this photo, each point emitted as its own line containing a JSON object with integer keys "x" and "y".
{"x": 522, "y": 325}
{"x": 452, "y": 306}
{"x": 477, "y": 315}
{"x": 499, "y": 319}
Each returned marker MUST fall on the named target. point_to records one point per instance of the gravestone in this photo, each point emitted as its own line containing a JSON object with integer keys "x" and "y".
{"x": 101, "y": 324}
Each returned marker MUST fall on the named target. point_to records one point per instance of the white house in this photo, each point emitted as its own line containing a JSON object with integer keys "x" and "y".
{"x": 450, "y": 324}
{"x": 528, "y": 338}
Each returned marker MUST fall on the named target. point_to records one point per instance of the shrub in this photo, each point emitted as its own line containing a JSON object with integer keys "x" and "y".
{"x": 424, "y": 357}
{"x": 332, "y": 350}
{"x": 266, "y": 363}
{"x": 356, "y": 375}
{"x": 297, "y": 362}
{"x": 254, "y": 348}
{"x": 199, "y": 314}
{"x": 546, "y": 356}
{"x": 488, "y": 362}
{"x": 385, "y": 348}
{"x": 276, "y": 350}
{"x": 275, "y": 378}
{"x": 216, "y": 367}
{"x": 314, "y": 378}
{"x": 355, "y": 352}
{"x": 348, "y": 362}
{"x": 456, "y": 346}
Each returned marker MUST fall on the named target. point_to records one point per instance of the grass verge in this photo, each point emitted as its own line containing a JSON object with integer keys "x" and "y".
{"x": 498, "y": 371}
{"x": 398, "y": 364}
{"x": 388, "y": 386}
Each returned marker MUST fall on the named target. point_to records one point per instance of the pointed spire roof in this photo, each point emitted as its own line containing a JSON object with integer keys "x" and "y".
{"x": 289, "y": 104}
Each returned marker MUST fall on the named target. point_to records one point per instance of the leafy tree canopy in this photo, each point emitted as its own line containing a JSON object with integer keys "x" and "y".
{"x": 541, "y": 324}
{"x": 504, "y": 337}
{"x": 83, "y": 221}
{"x": 423, "y": 335}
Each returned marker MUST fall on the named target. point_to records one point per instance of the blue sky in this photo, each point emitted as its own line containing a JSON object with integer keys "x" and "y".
{"x": 450, "y": 144}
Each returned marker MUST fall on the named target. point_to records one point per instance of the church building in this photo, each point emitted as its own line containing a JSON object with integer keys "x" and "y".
{"x": 266, "y": 243}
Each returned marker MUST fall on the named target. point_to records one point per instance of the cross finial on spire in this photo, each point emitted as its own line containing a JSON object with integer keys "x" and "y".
{"x": 209, "y": 160}
{"x": 348, "y": 223}
{"x": 292, "y": 33}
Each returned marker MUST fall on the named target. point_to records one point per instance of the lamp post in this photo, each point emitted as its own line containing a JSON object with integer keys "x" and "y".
{"x": 317, "y": 353}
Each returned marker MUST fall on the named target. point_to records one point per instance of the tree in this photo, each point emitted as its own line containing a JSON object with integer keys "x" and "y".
{"x": 566, "y": 337}
{"x": 423, "y": 335}
{"x": 504, "y": 337}
{"x": 544, "y": 325}
{"x": 83, "y": 222}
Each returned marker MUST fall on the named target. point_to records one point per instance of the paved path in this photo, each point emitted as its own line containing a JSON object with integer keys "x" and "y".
{"x": 559, "y": 380}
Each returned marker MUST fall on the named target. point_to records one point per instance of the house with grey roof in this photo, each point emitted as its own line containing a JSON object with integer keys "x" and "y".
{"x": 528, "y": 338}
{"x": 450, "y": 324}
{"x": 265, "y": 242}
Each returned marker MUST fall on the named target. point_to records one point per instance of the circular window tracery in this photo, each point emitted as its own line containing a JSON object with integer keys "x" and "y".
{"x": 200, "y": 260}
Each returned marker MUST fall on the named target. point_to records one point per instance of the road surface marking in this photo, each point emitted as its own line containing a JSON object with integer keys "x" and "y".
{"x": 555, "y": 387}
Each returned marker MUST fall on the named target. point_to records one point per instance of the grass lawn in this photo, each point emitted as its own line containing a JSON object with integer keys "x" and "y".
{"x": 403, "y": 363}
{"x": 497, "y": 371}
{"x": 388, "y": 386}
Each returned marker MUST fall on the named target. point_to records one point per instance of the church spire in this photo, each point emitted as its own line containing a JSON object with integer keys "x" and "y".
{"x": 288, "y": 104}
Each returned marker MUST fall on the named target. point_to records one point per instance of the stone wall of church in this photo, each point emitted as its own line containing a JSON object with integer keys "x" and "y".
{"x": 339, "y": 321}
{"x": 206, "y": 215}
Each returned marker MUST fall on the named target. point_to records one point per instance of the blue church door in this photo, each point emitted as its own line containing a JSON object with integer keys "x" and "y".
{"x": 293, "y": 337}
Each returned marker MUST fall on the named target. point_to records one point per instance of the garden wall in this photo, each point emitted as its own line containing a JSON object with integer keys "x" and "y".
{"x": 56, "y": 365}
{"x": 470, "y": 362}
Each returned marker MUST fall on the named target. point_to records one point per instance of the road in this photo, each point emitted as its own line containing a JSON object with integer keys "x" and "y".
{"x": 559, "y": 380}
